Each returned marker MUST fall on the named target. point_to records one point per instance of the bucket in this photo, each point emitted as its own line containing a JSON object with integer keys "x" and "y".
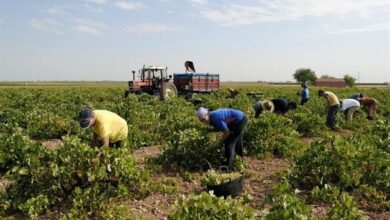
{"x": 231, "y": 188}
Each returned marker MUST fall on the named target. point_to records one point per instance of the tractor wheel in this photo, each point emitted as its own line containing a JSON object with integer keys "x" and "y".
{"x": 169, "y": 91}
{"x": 127, "y": 92}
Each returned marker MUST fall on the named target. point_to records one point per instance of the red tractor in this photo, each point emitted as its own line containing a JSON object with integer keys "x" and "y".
{"x": 154, "y": 80}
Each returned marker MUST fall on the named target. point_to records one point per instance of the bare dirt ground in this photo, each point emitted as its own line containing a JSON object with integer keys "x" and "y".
{"x": 52, "y": 144}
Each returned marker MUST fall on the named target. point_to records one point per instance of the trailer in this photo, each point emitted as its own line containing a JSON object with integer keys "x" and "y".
{"x": 188, "y": 84}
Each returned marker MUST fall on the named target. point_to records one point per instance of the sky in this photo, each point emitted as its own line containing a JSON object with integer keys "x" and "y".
{"x": 242, "y": 40}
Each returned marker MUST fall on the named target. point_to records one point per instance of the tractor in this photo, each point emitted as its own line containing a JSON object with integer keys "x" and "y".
{"x": 154, "y": 80}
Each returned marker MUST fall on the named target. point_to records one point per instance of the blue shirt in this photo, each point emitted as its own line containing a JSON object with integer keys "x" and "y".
{"x": 305, "y": 93}
{"x": 223, "y": 118}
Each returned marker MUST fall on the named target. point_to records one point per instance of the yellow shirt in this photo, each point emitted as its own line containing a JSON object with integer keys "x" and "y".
{"x": 333, "y": 100}
{"x": 109, "y": 124}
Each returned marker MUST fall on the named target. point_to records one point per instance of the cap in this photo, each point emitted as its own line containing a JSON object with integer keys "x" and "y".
{"x": 202, "y": 112}
{"x": 85, "y": 117}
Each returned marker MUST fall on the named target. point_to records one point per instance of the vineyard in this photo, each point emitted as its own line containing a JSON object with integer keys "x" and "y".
{"x": 294, "y": 167}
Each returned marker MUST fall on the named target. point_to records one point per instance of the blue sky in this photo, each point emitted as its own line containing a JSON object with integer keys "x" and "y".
{"x": 243, "y": 40}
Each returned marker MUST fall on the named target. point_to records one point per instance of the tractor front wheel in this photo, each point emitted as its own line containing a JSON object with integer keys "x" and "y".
{"x": 169, "y": 91}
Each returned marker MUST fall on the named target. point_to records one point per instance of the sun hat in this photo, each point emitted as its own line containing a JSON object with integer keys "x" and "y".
{"x": 85, "y": 117}
{"x": 202, "y": 113}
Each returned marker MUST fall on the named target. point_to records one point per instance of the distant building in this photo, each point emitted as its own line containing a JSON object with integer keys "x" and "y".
{"x": 330, "y": 82}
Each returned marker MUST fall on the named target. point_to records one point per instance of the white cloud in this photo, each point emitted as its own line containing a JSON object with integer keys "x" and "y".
{"x": 152, "y": 28}
{"x": 333, "y": 30}
{"x": 90, "y": 23}
{"x": 366, "y": 28}
{"x": 128, "y": 5}
{"x": 93, "y": 9}
{"x": 89, "y": 27}
{"x": 287, "y": 10}
{"x": 87, "y": 30}
{"x": 1, "y": 20}
{"x": 62, "y": 9}
{"x": 98, "y": 1}
{"x": 46, "y": 24}
{"x": 199, "y": 2}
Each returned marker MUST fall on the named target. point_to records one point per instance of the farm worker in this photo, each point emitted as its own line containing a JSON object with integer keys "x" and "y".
{"x": 233, "y": 93}
{"x": 232, "y": 123}
{"x": 106, "y": 125}
{"x": 305, "y": 94}
{"x": 349, "y": 106}
{"x": 356, "y": 96}
{"x": 264, "y": 105}
{"x": 371, "y": 103}
{"x": 278, "y": 106}
{"x": 333, "y": 104}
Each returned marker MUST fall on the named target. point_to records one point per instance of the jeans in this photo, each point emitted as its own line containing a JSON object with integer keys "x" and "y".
{"x": 234, "y": 142}
{"x": 303, "y": 101}
{"x": 349, "y": 112}
{"x": 331, "y": 118}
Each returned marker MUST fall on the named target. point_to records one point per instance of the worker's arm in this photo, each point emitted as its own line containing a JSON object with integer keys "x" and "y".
{"x": 106, "y": 141}
{"x": 94, "y": 140}
{"x": 327, "y": 99}
{"x": 225, "y": 134}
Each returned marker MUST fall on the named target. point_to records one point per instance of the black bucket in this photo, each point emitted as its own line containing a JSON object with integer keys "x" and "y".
{"x": 232, "y": 188}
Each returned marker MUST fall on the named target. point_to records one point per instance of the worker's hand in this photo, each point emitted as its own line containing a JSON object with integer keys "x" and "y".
{"x": 98, "y": 154}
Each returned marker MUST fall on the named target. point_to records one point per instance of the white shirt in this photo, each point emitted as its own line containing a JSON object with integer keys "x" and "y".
{"x": 348, "y": 103}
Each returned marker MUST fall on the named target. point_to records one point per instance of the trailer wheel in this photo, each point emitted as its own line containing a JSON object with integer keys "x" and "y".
{"x": 169, "y": 91}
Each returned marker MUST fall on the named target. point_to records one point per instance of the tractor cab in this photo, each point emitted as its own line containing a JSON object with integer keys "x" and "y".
{"x": 153, "y": 80}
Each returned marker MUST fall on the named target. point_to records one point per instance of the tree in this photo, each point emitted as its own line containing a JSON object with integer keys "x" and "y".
{"x": 304, "y": 75}
{"x": 349, "y": 80}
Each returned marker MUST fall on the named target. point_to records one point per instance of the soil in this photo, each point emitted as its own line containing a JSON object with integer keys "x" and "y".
{"x": 4, "y": 183}
{"x": 52, "y": 144}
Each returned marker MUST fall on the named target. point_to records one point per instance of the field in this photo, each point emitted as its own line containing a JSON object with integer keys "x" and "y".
{"x": 294, "y": 167}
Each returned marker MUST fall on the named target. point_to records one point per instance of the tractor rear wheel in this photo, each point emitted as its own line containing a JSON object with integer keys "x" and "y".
{"x": 169, "y": 91}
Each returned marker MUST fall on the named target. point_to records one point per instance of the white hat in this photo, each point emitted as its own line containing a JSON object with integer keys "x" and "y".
{"x": 264, "y": 105}
{"x": 267, "y": 106}
{"x": 202, "y": 112}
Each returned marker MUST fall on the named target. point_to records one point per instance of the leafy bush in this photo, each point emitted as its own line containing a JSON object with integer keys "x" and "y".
{"x": 343, "y": 205}
{"x": 211, "y": 207}
{"x": 286, "y": 205}
{"x": 271, "y": 134}
{"x": 191, "y": 149}
{"x": 48, "y": 177}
